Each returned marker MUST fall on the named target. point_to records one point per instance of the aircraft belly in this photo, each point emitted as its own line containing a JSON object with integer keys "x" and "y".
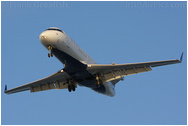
{"x": 88, "y": 83}
{"x": 105, "y": 88}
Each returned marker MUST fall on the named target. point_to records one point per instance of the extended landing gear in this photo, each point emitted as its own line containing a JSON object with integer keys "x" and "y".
{"x": 50, "y": 55}
{"x": 71, "y": 85}
{"x": 71, "y": 88}
{"x": 98, "y": 81}
{"x": 50, "y": 49}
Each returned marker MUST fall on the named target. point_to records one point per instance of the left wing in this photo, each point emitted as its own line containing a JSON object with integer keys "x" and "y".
{"x": 55, "y": 81}
{"x": 117, "y": 71}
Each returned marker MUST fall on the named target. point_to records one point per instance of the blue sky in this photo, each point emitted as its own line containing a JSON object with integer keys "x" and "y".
{"x": 120, "y": 32}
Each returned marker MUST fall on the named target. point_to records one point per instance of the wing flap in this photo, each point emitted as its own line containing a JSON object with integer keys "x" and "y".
{"x": 123, "y": 72}
{"x": 61, "y": 86}
{"x": 42, "y": 88}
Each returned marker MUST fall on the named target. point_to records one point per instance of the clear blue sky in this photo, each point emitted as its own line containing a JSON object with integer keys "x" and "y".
{"x": 120, "y": 32}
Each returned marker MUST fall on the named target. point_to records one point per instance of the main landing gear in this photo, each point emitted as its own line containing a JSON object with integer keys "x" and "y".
{"x": 71, "y": 88}
{"x": 50, "y": 49}
{"x": 98, "y": 81}
{"x": 71, "y": 85}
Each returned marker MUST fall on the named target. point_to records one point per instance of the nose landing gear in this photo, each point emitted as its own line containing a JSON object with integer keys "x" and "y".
{"x": 50, "y": 49}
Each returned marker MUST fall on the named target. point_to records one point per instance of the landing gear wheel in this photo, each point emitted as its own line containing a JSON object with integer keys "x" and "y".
{"x": 50, "y": 49}
{"x": 69, "y": 88}
{"x": 73, "y": 87}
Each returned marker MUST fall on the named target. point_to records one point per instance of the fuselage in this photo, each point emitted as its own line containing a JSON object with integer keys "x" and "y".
{"x": 61, "y": 41}
{"x": 58, "y": 39}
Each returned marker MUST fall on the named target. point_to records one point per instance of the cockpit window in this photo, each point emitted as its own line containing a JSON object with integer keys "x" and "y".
{"x": 56, "y": 29}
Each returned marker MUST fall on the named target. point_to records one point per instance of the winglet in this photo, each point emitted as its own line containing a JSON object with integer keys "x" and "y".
{"x": 181, "y": 57}
{"x": 5, "y": 88}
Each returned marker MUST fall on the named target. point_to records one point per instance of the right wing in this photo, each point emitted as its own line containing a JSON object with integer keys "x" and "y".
{"x": 55, "y": 81}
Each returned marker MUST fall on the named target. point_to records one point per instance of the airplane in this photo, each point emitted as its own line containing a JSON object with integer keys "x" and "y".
{"x": 80, "y": 69}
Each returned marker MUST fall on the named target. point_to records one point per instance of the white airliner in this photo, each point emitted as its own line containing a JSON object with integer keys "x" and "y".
{"x": 80, "y": 69}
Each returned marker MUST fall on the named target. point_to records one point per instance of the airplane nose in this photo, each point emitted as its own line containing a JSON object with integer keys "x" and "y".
{"x": 48, "y": 37}
{"x": 42, "y": 37}
{"x": 45, "y": 39}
